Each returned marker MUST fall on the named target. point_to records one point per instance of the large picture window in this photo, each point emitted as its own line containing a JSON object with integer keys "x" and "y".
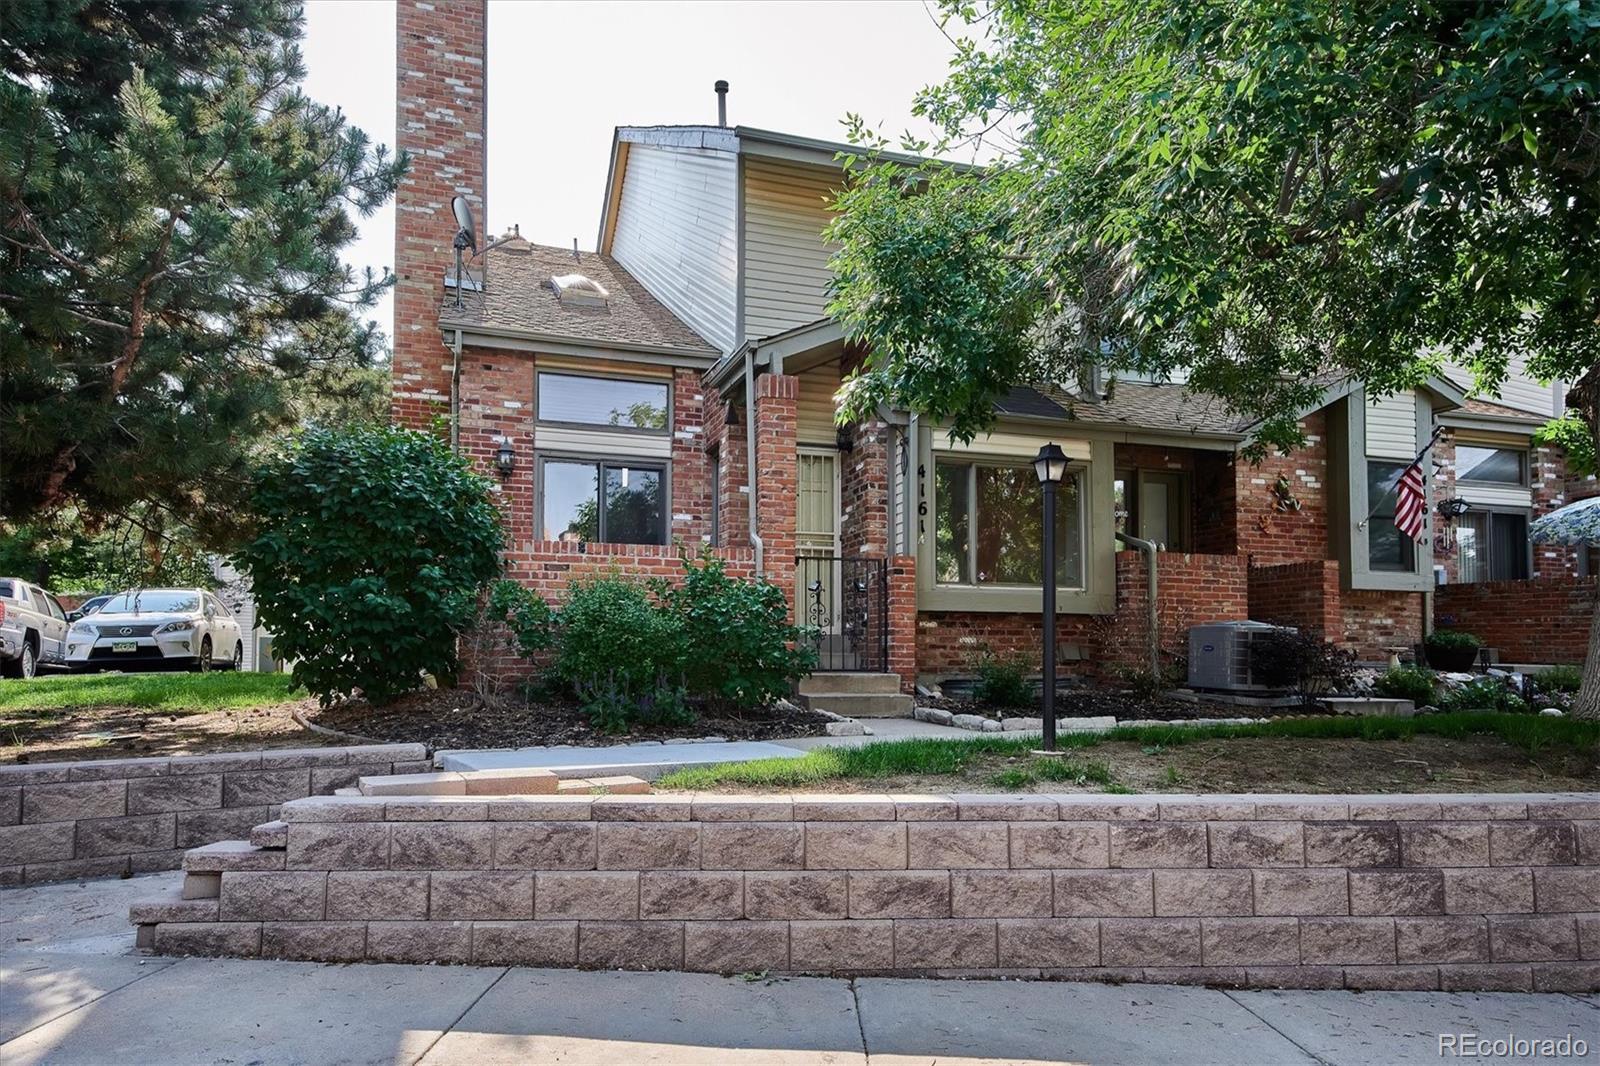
{"x": 1387, "y": 548}
{"x": 574, "y": 399}
{"x": 602, "y": 502}
{"x": 989, "y": 528}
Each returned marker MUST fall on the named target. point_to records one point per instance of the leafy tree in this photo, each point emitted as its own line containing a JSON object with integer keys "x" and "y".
{"x": 174, "y": 208}
{"x": 371, "y": 550}
{"x": 1262, "y": 192}
{"x": 68, "y": 554}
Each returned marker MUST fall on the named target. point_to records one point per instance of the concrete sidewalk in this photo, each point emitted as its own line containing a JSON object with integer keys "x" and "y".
{"x": 72, "y": 992}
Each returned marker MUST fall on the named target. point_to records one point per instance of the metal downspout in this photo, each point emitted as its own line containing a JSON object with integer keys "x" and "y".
{"x": 455, "y": 394}
{"x": 1148, "y": 549}
{"x": 750, "y": 454}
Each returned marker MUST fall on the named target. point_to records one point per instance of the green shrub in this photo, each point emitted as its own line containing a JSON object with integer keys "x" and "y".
{"x": 1002, "y": 681}
{"x": 370, "y": 550}
{"x": 1484, "y": 694}
{"x": 1453, "y": 640}
{"x": 740, "y": 649}
{"x": 1566, "y": 679}
{"x": 525, "y": 614}
{"x": 612, "y": 634}
{"x": 612, "y": 708}
{"x": 1406, "y": 683}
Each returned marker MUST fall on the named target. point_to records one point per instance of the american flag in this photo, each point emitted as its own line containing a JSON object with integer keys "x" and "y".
{"x": 1411, "y": 504}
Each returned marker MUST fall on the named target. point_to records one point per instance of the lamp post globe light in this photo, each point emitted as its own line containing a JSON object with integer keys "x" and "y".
{"x": 1051, "y": 466}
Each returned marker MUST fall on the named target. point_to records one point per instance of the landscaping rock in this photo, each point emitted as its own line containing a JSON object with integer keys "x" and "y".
{"x": 973, "y": 722}
{"x": 1552, "y": 712}
{"x": 1087, "y": 725}
{"x": 846, "y": 728}
{"x": 1020, "y": 725}
{"x": 932, "y": 714}
{"x": 1370, "y": 706}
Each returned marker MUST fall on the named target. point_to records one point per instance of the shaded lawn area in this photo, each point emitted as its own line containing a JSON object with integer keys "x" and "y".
{"x": 105, "y": 716}
{"x": 1434, "y": 753}
{"x": 170, "y": 692}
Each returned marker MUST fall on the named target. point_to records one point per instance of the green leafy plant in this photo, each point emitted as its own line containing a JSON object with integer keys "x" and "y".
{"x": 1301, "y": 661}
{"x": 1453, "y": 640}
{"x": 370, "y": 551}
{"x": 739, "y": 648}
{"x": 1560, "y": 679}
{"x": 1406, "y": 683}
{"x": 1484, "y": 694}
{"x": 612, "y": 632}
{"x": 525, "y": 614}
{"x": 1002, "y": 681}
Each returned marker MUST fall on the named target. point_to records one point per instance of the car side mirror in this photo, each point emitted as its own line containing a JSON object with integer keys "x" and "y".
{"x": 73, "y": 616}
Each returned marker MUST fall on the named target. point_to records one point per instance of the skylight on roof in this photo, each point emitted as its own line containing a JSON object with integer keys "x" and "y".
{"x": 580, "y": 291}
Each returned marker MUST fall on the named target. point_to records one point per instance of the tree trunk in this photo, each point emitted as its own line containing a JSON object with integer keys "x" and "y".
{"x": 1588, "y": 705}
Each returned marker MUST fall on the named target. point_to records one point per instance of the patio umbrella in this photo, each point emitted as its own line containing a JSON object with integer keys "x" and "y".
{"x": 1576, "y": 523}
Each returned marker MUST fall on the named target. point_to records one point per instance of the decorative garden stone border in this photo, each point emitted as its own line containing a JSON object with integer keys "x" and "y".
{"x": 1452, "y": 892}
{"x": 1099, "y": 724}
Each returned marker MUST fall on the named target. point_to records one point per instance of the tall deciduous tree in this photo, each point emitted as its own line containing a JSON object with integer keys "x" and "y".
{"x": 173, "y": 211}
{"x": 1261, "y": 192}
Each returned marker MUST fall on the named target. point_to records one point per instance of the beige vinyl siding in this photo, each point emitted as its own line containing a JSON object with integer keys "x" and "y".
{"x": 1484, "y": 494}
{"x": 786, "y": 271}
{"x": 814, "y": 410}
{"x": 1520, "y": 390}
{"x": 1009, "y": 445}
{"x": 602, "y": 442}
{"x": 1392, "y": 427}
{"x": 676, "y": 233}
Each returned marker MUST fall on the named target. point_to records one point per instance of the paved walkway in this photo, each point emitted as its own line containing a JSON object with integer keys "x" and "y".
{"x": 651, "y": 760}
{"x": 71, "y": 992}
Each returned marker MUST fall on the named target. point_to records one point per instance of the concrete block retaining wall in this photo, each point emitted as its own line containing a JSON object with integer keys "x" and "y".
{"x": 66, "y": 820}
{"x": 1426, "y": 892}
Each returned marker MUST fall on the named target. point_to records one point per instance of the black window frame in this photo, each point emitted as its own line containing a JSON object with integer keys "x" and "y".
{"x": 661, "y": 467}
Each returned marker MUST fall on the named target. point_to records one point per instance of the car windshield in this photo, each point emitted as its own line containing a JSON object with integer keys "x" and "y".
{"x": 151, "y": 601}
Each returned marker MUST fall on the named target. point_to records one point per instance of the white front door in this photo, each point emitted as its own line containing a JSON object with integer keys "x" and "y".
{"x": 817, "y": 538}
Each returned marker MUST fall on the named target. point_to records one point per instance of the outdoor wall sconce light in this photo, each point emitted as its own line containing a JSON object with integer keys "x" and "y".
{"x": 505, "y": 460}
{"x": 1454, "y": 507}
{"x": 844, "y": 440}
{"x": 1051, "y": 466}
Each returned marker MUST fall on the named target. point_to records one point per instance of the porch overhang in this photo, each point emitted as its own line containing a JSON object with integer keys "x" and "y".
{"x": 792, "y": 351}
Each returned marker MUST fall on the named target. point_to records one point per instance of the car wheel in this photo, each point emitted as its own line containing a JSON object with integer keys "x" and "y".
{"x": 29, "y": 662}
{"x": 203, "y": 663}
{"x": 238, "y": 657}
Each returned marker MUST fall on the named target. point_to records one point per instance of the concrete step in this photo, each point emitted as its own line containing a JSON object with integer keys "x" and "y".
{"x": 854, "y": 683}
{"x": 273, "y": 834}
{"x": 860, "y": 704}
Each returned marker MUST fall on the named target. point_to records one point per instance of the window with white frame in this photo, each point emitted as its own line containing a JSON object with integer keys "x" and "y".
{"x": 989, "y": 525}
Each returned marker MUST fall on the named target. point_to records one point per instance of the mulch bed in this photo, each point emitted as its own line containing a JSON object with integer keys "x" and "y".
{"x": 454, "y": 718}
{"x": 1096, "y": 702}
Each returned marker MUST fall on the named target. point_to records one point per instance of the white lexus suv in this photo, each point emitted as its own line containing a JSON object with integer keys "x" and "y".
{"x": 146, "y": 629}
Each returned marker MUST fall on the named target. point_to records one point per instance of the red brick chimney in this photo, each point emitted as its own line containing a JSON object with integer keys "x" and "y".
{"x": 441, "y": 118}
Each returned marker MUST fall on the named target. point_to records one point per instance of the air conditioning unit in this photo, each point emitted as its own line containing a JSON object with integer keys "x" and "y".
{"x": 1220, "y": 659}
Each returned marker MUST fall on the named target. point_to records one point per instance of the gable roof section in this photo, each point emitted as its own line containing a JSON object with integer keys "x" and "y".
{"x": 517, "y": 302}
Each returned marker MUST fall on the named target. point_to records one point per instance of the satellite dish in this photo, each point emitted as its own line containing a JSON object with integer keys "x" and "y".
{"x": 463, "y": 213}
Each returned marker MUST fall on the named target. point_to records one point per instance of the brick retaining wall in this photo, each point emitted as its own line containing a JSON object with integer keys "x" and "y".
{"x": 1542, "y": 621}
{"x": 60, "y": 821}
{"x": 1453, "y": 892}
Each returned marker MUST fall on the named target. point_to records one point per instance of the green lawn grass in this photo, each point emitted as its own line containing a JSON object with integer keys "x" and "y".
{"x": 929, "y": 757}
{"x": 172, "y": 693}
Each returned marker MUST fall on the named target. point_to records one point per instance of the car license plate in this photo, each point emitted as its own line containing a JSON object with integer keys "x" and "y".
{"x": 124, "y": 645}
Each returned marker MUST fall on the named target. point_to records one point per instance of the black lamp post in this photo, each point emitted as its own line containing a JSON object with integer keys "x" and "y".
{"x": 1051, "y": 466}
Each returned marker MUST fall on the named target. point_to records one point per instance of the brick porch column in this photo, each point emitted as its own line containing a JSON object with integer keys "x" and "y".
{"x": 903, "y": 620}
{"x": 777, "y": 475}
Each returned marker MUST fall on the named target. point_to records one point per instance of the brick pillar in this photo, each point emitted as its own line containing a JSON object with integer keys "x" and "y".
{"x": 864, "y": 484}
{"x": 777, "y": 475}
{"x": 441, "y": 117}
{"x": 691, "y": 471}
{"x": 903, "y": 620}
{"x": 731, "y": 490}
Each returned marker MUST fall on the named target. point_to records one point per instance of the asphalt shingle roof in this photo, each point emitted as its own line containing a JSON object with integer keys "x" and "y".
{"x": 1160, "y": 407}
{"x": 517, "y": 296}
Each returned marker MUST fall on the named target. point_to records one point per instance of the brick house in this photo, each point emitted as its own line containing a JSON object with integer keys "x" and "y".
{"x": 620, "y": 395}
